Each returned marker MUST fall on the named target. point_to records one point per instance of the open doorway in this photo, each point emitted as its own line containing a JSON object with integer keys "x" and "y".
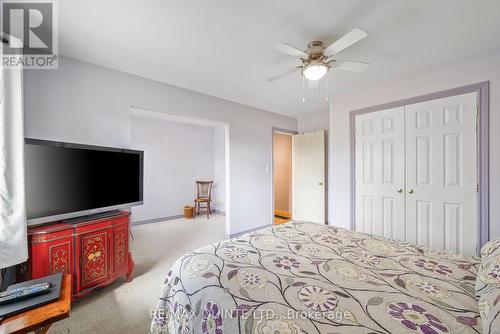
{"x": 178, "y": 152}
{"x": 299, "y": 176}
{"x": 282, "y": 176}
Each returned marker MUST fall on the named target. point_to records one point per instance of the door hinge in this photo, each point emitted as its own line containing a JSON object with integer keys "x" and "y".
{"x": 477, "y": 187}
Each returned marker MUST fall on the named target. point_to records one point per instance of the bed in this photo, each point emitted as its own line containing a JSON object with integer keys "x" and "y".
{"x": 302, "y": 277}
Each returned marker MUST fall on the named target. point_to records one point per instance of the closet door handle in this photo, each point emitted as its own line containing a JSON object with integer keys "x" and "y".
{"x": 410, "y": 191}
{"x": 400, "y": 190}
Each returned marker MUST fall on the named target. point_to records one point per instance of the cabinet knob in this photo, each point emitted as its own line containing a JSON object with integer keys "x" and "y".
{"x": 410, "y": 191}
{"x": 400, "y": 190}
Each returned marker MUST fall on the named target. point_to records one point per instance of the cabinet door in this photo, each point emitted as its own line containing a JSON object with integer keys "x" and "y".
{"x": 94, "y": 258}
{"x": 60, "y": 256}
{"x": 120, "y": 248}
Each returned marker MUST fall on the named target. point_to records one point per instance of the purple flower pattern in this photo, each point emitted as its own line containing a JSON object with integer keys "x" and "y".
{"x": 365, "y": 258}
{"x": 285, "y": 262}
{"x": 491, "y": 274}
{"x": 431, "y": 265}
{"x": 416, "y": 318}
{"x": 211, "y": 322}
{"x": 317, "y": 298}
{"x": 252, "y": 280}
{"x": 331, "y": 239}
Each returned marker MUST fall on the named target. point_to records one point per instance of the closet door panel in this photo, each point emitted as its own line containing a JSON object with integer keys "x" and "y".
{"x": 379, "y": 164}
{"x": 441, "y": 196}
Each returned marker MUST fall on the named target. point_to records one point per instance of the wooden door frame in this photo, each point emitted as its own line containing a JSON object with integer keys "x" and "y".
{"x": 273, "y": 131}
{"x": 482, "y": 90}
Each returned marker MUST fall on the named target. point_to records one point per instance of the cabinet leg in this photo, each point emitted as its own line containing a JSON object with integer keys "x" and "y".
{"x": 130, "y": 267}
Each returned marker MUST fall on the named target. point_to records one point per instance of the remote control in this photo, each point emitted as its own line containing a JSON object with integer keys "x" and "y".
{"x": 18, "y": 294}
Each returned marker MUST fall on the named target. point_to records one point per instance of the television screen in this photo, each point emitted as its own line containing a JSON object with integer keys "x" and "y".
{"x": 66, "y": 180}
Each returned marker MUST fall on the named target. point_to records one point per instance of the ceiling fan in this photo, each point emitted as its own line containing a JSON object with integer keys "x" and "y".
{"x": 317, "y": 59}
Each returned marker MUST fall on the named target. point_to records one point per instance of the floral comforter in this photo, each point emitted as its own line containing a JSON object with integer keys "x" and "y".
{"x": 302, "y": 277}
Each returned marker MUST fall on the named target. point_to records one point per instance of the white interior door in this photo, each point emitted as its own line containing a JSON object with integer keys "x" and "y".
{"x": 441, "y": 198}
{"x": 379, "y": 168}
{"x": 308, "y": 176}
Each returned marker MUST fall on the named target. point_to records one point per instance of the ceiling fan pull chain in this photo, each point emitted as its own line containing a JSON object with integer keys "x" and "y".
{"x": 303, "y": 94}
{"x": 318, "y": 89}
{"x": 326, "y": 87}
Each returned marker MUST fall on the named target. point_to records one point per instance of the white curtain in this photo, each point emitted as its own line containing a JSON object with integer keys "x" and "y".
{"x": 13, "y": 241}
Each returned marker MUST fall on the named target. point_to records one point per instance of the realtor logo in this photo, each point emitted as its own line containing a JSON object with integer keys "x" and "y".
{"x": 29, "y": 34}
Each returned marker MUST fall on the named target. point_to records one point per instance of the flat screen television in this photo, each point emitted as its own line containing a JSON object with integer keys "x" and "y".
{"x": 65, "y": 180}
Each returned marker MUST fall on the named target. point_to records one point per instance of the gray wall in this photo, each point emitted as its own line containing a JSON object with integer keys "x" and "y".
{"x": 467, "y": 71}
{"x": 175, "y": 156}
{"x": 219, "y": 186}
{"x": 313, "y": 121}
{"x": 85, "y": 103}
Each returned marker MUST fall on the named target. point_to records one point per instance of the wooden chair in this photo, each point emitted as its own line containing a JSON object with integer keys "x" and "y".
{"x": 204, "y": 195}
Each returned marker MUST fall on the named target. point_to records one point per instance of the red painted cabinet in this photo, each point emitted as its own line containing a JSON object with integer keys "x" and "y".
{"x": 95, "y": 252}
{"x": 120, "y": 248}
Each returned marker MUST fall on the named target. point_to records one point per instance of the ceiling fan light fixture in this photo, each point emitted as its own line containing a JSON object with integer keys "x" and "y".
{"x": 315, "y": 72}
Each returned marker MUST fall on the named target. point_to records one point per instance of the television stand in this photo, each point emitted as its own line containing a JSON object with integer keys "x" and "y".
{"x": 94, "y": 216}
{"x": 96, "y": 252}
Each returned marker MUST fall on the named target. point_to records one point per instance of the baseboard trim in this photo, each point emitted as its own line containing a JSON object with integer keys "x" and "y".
{"x": 283, "y": 213}
{"x": 156, "y": 220}
{"x": 235, "y": 235}
{"x": 162, "y": 219}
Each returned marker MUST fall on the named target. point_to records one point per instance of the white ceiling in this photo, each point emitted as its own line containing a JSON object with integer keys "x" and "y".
{"x": 224, "y": 48}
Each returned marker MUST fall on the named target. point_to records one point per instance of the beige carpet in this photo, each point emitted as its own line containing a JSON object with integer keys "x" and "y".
{"x": 125, "y": 307}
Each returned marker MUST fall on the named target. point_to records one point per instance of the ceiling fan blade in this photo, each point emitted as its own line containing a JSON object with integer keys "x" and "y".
{"x": 279, "y": 76}
{"x": 352, "y": 37}
{"x": 355, "y": 66}
{"x": 290, "y": 50}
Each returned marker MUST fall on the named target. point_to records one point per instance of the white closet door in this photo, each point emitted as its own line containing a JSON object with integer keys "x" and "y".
{"x": 308, "y": 181}
{"x": 441, "y": 196}
{"x": 379, "y": 164}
